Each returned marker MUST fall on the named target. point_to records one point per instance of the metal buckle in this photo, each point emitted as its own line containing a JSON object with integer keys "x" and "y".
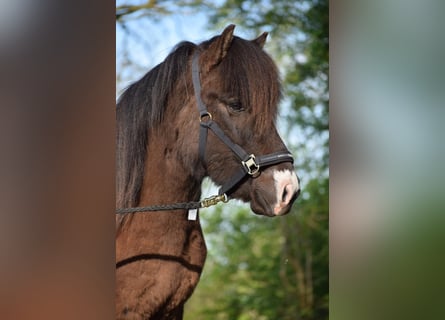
{"x": 251, "y": 166}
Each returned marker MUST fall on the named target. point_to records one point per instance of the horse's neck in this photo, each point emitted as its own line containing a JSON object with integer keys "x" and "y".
{"x": 166, "y": 251}
{"x": 166, "y": 180}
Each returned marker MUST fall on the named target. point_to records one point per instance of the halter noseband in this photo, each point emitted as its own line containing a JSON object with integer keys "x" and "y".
{"x": 250, "y": 164}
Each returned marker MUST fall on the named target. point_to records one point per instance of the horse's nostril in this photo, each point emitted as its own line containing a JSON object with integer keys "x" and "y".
{"x": 283, "y": 198}
{"x": 294, "y": 196}
{"x": 287, "y": 195}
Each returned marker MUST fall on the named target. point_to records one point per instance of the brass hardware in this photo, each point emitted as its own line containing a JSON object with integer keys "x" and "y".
{"x": 207, "y": 114}
{"x": 211, "y": 201}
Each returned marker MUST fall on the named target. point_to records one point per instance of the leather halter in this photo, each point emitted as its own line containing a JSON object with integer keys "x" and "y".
{"x": 250, "y": 163}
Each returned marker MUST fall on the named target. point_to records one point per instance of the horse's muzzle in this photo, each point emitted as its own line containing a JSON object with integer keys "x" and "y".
{"x": 274, "y": 192}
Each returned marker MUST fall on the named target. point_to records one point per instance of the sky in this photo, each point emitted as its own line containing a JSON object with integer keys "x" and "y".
{"x": 151, "y": 41}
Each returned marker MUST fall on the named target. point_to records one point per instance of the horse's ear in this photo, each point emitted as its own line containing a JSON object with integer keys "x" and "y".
{"x": 261, "y": 39}
{"x": 217, "y": 50}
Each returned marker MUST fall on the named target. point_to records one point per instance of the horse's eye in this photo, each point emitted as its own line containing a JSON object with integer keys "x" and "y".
{"x": 235, "y": 106}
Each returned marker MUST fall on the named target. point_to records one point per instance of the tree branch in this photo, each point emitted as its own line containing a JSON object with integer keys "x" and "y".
{"x": 127, "y": 9}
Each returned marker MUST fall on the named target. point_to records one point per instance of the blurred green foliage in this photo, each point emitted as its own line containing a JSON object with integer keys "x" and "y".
{"x": 266, "y": 268}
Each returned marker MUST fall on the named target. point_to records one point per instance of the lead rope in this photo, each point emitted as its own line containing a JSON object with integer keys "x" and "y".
{"x": 205, "y": 203}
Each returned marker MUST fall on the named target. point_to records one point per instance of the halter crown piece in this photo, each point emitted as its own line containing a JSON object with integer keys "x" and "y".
{"x": 250, "y": 163}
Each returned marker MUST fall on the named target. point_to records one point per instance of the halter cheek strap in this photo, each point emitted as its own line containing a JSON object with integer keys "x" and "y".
{"x": 203, "y": 113}
{"x": 250, "y": 164}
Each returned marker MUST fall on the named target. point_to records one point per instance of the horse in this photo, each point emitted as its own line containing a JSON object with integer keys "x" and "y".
{"x": 208, "y": 110}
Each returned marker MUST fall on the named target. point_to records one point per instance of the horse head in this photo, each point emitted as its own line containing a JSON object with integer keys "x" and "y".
{"x": 239, "y": 91}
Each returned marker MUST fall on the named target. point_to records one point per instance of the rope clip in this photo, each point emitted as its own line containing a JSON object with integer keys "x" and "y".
{"x": 211, "y": 201}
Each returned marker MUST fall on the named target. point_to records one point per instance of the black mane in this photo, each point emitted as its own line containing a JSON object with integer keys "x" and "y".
{"x": 140, "y": 107}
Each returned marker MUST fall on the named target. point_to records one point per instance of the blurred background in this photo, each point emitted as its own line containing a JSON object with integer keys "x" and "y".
{"x": 257, "y": 268}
